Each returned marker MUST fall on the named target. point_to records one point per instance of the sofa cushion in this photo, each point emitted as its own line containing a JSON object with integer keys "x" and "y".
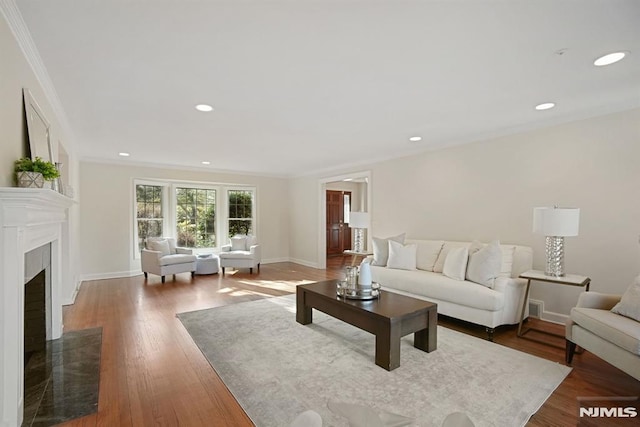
{"x": 235, "y": 255}
{"x": 619, "y": 330}
{"x": 160, "y": 245}
{"x": 484, "y": 263}
{"x": 427, "y": 253}
{"x": 177, "y": 259}
{"x": 435, "y": 286}
{"x": 381, "y": 248}
{"x": 442, "y": 256}
{"x": 401, "y": 257}
{"x": 506, "y": 266}
{"x": 629, "y": 304}
{"x": 455, "y": 266}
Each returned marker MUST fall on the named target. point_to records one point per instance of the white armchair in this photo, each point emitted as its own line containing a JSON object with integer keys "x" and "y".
{"x": 243, "y": 252}
{"x": 612, "y": 337}
{"x": 162, "y": 257}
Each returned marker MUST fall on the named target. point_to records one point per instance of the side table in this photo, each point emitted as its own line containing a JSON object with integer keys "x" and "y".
{"x": 355, "y": 255}
{"x": 569, "y": 279}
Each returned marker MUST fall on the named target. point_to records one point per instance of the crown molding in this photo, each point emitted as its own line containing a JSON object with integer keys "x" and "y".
{"x": 20, "y": 31}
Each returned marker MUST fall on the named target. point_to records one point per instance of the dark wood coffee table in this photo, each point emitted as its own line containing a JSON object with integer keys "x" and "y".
{"x": 389, "y": 318}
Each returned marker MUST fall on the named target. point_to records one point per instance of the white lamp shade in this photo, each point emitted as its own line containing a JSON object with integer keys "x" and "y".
{"x": 556, "y": 221}
{"x": 359, "y": 219}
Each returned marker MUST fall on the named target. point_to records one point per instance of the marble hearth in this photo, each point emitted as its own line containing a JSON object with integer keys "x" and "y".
{"x": 29, "y": 219}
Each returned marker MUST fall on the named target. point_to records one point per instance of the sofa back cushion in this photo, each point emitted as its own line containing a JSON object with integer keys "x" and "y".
{"x": 427, "y": 253}
{"x": 522, "y": 260}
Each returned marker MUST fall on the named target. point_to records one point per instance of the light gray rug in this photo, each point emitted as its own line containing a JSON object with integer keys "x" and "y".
{"x": 277, "y": 369}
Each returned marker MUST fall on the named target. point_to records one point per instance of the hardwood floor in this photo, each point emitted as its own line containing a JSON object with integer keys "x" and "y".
{"x": 153, "y": 374}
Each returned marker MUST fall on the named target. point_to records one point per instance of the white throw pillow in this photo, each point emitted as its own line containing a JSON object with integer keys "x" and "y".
{"x": 484, "y": 264}
{"x": 455, "y": 265}
{"x": 239, "y": 243}
{"x": 402, "y": 257}
{"x": 381, "y": 249}
{"x": 439, "y": 265}
{"x": 629, "y": 305}
{"x": 160, "y": 246}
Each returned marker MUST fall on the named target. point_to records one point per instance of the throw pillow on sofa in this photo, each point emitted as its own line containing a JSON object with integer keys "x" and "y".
{"x": 484, "y": 263}
{"x": 402, "y": 257}
{"x": 439, "y": 265}
{"x": 381, "y": 248}
{"x": 160, "y": 246}
{"x": 455, "y": 265}
{"x": 629, "y": 305}
{"x": 239, "y": 243}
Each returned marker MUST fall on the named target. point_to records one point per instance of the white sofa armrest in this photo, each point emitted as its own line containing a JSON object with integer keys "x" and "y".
{"x": 256, "y": 251}
{"x": 504, "y": 284}
{"x": 598, "y": 300}
{"x": 185, "y": 251}
{"x": 225, "y": 248}
{"x": 150, "y": 260}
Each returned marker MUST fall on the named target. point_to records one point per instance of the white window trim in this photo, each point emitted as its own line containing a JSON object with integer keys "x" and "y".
{"x": 169, "y": 206}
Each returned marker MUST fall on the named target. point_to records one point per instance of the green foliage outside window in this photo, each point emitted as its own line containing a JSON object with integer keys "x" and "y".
{"x": 148, "y": 212}
{"x": 195, "y": 217}
{"x": 240, "y": 212}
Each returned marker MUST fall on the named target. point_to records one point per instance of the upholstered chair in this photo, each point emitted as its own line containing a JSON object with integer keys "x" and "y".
{"x": 242, "y": 252}
{"x": 162, "y": 257}
{"x": 595, "y": 325}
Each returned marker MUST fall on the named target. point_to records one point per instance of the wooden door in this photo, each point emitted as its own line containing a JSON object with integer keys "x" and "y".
{"x": 338, "y": 233}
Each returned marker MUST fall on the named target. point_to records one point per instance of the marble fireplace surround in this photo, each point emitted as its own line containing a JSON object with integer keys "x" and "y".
{"x": 29, "y": 218}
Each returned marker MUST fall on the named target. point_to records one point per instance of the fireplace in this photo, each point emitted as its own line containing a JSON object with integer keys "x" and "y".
{"x": 37, "y": 300}
{"x": 30, "y": 219}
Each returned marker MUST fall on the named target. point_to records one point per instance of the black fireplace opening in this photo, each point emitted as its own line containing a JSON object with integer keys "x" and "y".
{"x": 35, "y": 315}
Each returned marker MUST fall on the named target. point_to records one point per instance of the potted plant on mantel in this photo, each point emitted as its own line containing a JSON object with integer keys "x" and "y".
{"x": 33, "y": 173}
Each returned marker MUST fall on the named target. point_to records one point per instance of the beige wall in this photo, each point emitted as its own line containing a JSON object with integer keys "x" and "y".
{"x": 107, "y": 214}
{"x": 16, "y": 74}
{"x": 487, "y": 190}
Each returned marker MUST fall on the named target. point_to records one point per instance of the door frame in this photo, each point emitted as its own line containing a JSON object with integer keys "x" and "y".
{"x": 322, "y": 202}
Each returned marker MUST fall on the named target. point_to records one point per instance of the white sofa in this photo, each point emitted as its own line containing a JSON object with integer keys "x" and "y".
{"x": 462, "y": 299}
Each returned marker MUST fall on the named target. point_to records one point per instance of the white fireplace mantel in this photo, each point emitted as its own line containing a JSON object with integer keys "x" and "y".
{"x": 29, "y": 218}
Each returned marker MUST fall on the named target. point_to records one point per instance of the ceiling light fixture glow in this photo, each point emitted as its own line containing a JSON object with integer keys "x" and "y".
{"x": 123, "y": 154}
{"x": 609, "y": 59}
{"x": 348, "y": 179}
{"x": 204, "y": 108}
{"x": 415, "y": 138}
{"x": 545, "y": 106}
{"x": 206, "y": 163}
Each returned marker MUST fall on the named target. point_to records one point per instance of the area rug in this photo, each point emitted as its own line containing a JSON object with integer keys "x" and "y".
{"x": 277, "y": 369}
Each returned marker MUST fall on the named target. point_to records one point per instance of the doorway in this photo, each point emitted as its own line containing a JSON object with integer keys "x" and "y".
{"x": 338, "y": 231}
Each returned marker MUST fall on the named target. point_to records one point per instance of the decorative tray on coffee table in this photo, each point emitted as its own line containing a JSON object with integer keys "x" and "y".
{"x": 344, "y": 291}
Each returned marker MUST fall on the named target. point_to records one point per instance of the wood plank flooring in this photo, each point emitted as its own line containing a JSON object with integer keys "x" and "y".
{"x": 153, "y": 374}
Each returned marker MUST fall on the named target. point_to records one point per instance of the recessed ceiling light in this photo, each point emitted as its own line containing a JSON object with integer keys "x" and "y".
{"x": 545, "y": 106}
{"x": 206, "y": 163}
{"x": 609, "y": 59}
{"x": 204, "y": 107}
{"x": 123, "y": 154}
{"x": 415, "y": 138}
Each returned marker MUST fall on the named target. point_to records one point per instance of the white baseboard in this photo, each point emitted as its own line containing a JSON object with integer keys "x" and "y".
{"x": 274, "y": 260}
{"x": 111, "y": 275}
{"x": 550, "y": 316}
{"x": 303, "y": 262}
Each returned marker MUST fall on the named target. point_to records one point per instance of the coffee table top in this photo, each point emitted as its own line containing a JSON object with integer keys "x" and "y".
{"x": 389, "y": 304}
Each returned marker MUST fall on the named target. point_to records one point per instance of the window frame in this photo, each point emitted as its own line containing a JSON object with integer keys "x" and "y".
{"x": 169, "y": 207}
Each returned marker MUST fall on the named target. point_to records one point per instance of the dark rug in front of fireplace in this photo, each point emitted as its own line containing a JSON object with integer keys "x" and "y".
{"x": 62, "y": 381}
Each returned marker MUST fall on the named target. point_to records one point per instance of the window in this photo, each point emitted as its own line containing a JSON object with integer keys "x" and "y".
{"x": 149, "y": 218}
{"x": 195, "y": 217}
{"x": 240, "y": 212}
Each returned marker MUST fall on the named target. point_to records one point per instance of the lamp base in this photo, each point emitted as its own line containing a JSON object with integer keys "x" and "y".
{"x": 358, "y": 240}
{"x": 555, "y": 256}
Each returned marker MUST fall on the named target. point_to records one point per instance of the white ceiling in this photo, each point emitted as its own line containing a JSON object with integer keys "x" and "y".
{"x": 310, "y": 85}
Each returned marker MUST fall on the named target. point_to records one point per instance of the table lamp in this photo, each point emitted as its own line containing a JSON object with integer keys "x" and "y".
{"x": 359, "y": 221}
{"x": 555, "y": 223}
